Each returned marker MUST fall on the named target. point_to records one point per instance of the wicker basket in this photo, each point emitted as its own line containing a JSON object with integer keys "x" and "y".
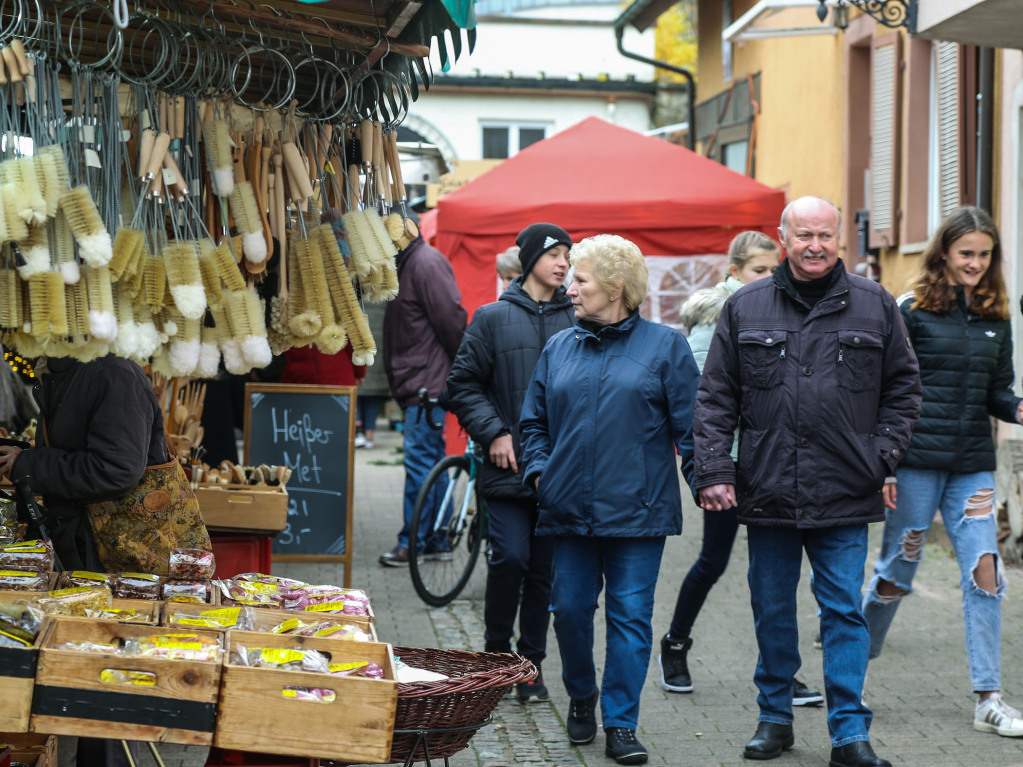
{"x": 476, "y": 683}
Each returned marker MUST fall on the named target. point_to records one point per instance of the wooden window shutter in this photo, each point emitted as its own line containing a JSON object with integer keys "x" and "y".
{"x": 885, "y": 108}
{"x": 947, "y": 113}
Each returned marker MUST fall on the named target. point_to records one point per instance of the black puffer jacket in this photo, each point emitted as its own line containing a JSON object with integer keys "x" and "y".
{"x": 103, "y": 426}
{"x": 966, "y": 373}
{"x": 492, "y": 371}
{"x": 825, "y": 400}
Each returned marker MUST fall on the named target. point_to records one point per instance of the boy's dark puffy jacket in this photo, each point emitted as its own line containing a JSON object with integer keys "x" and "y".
{"x": 601, "y": 424}
{"x": 492, "y": 371}
{"x": 966, "y": 374}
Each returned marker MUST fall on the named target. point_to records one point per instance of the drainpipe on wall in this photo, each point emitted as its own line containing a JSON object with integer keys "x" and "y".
{"x": 619, "y": 27}
{"x": 985, "y": 127}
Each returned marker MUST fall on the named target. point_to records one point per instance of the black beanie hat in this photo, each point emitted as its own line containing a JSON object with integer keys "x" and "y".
{"x": 537, "y": 239}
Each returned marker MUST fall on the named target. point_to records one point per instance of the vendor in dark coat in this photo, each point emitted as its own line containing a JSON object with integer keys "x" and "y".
{"x": 488, "y": 382}
{"x": 103, "y": 425}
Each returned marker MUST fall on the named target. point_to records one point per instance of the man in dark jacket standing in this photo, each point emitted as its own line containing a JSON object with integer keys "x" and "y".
{"x": 422, "y": 329}
{"x": 487, "y": 385}
{"x": 815, "y": 367}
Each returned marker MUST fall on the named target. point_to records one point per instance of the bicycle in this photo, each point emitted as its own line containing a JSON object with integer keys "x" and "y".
{"x": 442, "y": 560}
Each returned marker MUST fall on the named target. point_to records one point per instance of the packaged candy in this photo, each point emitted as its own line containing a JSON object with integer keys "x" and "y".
{"x": 282, "y": 658}
{"x": 108, "y": 648}
{"x": 367, "y": 669}
{"x": 199, "y": 647}
{"x": 129, "y": 615}
{"x": 219, "y": 618}
{"x": 137, "y": 586}
{"x": 76, "y": 600}
{"x": 334, "y": 630}
{"x": 27, "y": 555}
{"x": 191, "y": 565}
{"x": 186, "y": 591}
{"x": 24, "y": 580}
{"x": 83, "y": 578}
{"x": 8, "y": 512}
{"x": 316, "y": 694}
{"x": 19, "y": 623}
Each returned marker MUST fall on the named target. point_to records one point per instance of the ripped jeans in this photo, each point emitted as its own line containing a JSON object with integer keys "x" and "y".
{"x": 967, "y": 506}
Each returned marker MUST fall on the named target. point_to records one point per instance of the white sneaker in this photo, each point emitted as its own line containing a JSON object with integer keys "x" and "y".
{"x": 995, "y": 715}
{"x": 360, "y": 440}
{"x": 367, "y": 443}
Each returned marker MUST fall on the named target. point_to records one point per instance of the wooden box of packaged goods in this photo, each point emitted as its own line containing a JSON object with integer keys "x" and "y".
{"x": 33, "y": 750}
{"x": 17, "y": 676}
{"x": 244, "y": 508}
{"x": 118, "y": 696}
{"x": 257, "y": 714}
{"x": 262, "y": 620}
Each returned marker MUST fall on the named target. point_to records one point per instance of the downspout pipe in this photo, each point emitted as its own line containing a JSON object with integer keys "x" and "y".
{"x": 619, "y": 27}
{"x": 985, "y": 127}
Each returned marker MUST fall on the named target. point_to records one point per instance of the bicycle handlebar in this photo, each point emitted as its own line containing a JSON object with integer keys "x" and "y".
{"x": 426, "y": 405}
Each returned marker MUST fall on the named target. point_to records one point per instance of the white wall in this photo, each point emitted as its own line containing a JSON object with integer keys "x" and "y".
{"x": 459, "y": 117}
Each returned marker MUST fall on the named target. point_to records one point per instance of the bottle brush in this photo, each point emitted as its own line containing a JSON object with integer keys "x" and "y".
{"x": 217, "y": 140}
{"x": 185, "y": 279}
{"x": 184, "y": 349}
{"x": 52, "y": 175}
{"x": 154, "y": 281}
{"x": 10, "y": 300}
{"x": 255, "y": 348}
{"x": 102, "y": 320}
{"x": 21, "y": 172}
{"x": 15, "y": 225}
{"x": 127, "y": 247}
{"x": 249, "y": 222}
{"x": 128, "y": 334}
{"x": 346, "y": 302}
{"x": 87, "y": 226}
{"x": 47, "y": 307}
{"x": 35, "y": 253}
{"x": 227, "y": 268}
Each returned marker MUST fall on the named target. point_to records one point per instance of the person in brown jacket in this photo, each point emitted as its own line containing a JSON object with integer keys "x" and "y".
{"x": 423, "y": 328}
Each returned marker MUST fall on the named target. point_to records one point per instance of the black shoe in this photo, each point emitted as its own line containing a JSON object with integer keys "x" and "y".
{"x": 856, "y": 754}
{"x": 769, "y": 741}
{"x": 805, "y": 696}
{"x": 672, "y": 662}
{"x": 622, "y": 746}
{"x": 533, "y": 692}
{"x": 396, "y": 557}
{"x": 582, "y": 722}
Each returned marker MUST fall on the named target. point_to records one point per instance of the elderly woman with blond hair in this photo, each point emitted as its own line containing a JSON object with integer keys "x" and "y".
{"x": 609, "y": 405}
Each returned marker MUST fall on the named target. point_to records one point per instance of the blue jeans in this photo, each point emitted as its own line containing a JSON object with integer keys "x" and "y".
{"x": 423, "y": 447}
{"x": 628, "y": 567}
{"x": 920, "y": 492}
{"x": 719, "y": 529}
{"x": 368, "y": 410}
{"x": 518, "y": 579}
{"x": 837, "y": 556}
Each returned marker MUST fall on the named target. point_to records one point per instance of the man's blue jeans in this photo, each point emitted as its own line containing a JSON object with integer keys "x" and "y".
{"x": 423, "y": 447}
{"x": 628, "y": 568}
{"x": 837, "y": 556}
{"x": 973, "y": 536}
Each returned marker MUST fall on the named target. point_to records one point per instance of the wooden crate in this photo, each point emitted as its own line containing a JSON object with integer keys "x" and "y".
{"x": 33, "y": 750}
{"x": 243, "y": 508}
{"x": 17, "y": 674}
{"x": 356, "y": 727}
{"x": 265, "y": 619}
{"x": 71, "y": 699}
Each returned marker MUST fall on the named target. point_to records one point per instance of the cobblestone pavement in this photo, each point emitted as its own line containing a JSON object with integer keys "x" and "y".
{"x": 918, "y": 690}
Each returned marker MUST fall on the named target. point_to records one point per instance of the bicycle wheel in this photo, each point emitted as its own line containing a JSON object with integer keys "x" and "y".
{"x": 442, "y": 557}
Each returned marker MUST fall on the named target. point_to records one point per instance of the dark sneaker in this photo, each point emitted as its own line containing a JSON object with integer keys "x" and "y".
{"x": 805, "y": 696}
{"x": 532, "y": 692}
{"x": 674, "y": 668}
{"x": 623, "y": 747}
{"x": 582, "y": 721}
{"x": 396, "y": 557}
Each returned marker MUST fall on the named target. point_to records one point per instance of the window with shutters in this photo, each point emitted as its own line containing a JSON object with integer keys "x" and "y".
{"x": 946, "y": 131}
{"x": 885, "y": 107}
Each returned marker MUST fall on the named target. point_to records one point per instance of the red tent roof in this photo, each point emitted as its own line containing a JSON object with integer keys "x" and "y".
{"x": 596, "y": 173}
{"x": 593, "y": 178}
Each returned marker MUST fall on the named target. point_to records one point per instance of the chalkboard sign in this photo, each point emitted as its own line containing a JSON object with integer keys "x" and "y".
{"x": 309, "y": 429}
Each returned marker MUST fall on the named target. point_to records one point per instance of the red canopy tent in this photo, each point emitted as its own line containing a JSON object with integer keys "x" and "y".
{"x": 595, "y": 178}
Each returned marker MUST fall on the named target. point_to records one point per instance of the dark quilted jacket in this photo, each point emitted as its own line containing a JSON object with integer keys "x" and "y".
{"x": 825, "y": 400}
{"x": 492, "y": 371}
{"x": 966, "y": 373}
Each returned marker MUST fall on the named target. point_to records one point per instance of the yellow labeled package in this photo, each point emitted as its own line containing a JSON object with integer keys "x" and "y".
{"x": 121, "y": 676}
